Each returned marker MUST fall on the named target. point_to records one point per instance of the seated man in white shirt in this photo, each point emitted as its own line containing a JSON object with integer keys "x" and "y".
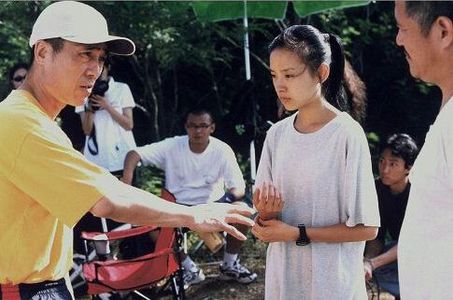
{"x": 198, "y": 168}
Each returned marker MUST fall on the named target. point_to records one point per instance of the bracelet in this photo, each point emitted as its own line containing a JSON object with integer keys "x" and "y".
{"x": 368, "y": 260}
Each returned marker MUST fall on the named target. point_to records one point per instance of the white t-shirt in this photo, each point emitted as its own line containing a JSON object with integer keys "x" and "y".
{"x": 113, "y": 140}
{"x": 325, "y": 178}
{"x": 425, "y": 248}
{"x": 194, "y": 178}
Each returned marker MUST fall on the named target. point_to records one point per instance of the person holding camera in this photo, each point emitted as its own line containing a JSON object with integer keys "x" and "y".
{"x": 107, "y": 122}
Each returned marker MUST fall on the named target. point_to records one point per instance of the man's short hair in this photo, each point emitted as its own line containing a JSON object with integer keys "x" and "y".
{"x": 403, "y": 146}
{"x": 198, "y": 112}
{"x": 57, "y": 45}
{"x": 426, "y": 12}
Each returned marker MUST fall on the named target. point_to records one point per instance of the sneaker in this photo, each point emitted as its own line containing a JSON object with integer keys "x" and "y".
{"x": 237, "y": 272}
{"x": 192, "y": 277}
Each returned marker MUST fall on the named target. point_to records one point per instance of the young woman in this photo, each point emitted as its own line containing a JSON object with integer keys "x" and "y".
{"x": 318, "y": 162}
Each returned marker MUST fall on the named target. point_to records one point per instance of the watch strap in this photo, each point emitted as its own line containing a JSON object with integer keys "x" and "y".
{"x": 303, "y": 239}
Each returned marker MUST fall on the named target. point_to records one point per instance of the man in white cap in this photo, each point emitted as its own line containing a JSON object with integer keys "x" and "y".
{"x": 45, "y": 185}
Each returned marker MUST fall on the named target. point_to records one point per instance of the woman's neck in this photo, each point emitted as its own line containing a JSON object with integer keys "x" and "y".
{"x": 314, "y": 116}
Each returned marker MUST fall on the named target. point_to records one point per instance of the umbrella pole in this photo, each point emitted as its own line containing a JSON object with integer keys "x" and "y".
{"x": 248, "y": 77}
{"x": 246, "y": 44}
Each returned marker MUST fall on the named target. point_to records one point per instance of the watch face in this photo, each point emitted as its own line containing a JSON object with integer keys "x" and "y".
{"x": 302, "y": 243}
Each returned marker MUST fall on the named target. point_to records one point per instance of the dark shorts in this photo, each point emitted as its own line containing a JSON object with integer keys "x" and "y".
{"x": 55, "y": 290}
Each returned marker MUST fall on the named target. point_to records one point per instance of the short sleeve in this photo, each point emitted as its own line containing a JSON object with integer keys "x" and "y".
{"x": 264, "y": 172}
{"x": 383, "y": 229}
{"x": 127, "y": 100}
{"x": 232, "y": 173}
{"x": 359, "y": 192}
{"x": 154, "y": 154}
{"x": 58, "y": 177}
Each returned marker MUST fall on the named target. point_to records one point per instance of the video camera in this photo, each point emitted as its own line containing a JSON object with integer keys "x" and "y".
{"x": 99, "y": 88}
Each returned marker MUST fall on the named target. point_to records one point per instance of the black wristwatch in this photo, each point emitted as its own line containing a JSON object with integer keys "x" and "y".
{"x": 303, "y": 239}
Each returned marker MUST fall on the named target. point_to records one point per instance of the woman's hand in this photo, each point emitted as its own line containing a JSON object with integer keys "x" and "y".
{"x": 99, "y": 102}
{"x": 274, "y": 231}
{"x": 267, "y": 201}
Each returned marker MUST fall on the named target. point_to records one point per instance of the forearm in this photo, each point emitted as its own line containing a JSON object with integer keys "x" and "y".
{"x": 124, "y": 119}
{"x": 385, "y": 258}
{"x": 87, "y": 119}
{"x": 130, "y": 163}
{"x": 131, "y": 205}
{"x": 340, "y": 233}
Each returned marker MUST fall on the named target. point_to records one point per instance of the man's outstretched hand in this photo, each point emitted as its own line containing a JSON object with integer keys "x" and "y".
{"x": 218, "y": 216}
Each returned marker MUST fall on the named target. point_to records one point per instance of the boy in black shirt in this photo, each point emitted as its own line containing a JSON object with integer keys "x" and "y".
{"x": 380, "y": 262}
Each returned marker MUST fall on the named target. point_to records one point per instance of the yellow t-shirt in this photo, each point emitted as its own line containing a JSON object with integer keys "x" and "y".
{"x": 45, "y": 188}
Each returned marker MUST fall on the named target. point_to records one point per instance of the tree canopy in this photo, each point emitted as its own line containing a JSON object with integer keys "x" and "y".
{"x": 182, "y": 62}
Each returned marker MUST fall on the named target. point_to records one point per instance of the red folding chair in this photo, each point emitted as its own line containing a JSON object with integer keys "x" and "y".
{"x": 157, "y": 270}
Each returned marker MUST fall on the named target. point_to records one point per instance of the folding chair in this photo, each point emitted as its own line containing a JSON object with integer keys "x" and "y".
{"x": 155, "y": 268}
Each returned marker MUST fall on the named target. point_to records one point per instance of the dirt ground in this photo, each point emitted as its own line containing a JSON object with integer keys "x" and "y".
{"x": 212, "y": 288}
{"x": 254, "y": 258}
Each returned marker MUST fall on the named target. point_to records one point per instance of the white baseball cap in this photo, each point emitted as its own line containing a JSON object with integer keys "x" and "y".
{"x": 80, "y": 23}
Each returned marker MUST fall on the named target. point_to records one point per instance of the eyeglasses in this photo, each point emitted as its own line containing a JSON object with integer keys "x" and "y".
{"x": 198, "y": 126}
{"x": 19, "y": 78}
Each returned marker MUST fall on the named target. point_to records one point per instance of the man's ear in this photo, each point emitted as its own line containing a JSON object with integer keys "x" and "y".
{"x": 212, "y": 127}
{"x": 443, "y": 27}
{"x": 408, "y": 169}
{"x": 42, "y": 50}
{"x": 323, "y": 72}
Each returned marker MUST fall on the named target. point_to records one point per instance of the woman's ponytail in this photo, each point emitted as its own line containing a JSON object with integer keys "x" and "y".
{"x": 333, "y": 87}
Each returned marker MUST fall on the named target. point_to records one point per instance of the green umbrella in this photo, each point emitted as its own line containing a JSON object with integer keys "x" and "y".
{"x": 214, "y": 11}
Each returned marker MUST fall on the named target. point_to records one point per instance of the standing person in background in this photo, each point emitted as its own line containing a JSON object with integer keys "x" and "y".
{"x": 398, "y": 154}
{"x": 46, "y": 186}
{"x": 199, "y": 169}
{"x": 317, "y": 161}
{"x": 425, "y": 247}
{"x": 17, "y": 75}
{"x": 107, "y": 122}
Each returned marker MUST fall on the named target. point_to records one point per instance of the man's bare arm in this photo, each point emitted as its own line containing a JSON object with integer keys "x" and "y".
{"x": 127, "y": 204}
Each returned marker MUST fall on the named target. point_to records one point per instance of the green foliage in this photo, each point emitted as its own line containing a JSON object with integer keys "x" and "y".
{"x": 15, "y": 30}
{"x": 181, "y": 62}
{"x": 373, "y": 139}
{"x": 150, "y": 179}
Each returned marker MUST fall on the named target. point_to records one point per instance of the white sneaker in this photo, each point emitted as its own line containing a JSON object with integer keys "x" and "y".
{"x": 237, "y": 272}
{"x": 192, "y": 277}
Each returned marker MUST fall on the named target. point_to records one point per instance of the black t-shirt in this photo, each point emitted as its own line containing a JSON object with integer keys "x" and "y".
{"x": 392, "y": 209}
